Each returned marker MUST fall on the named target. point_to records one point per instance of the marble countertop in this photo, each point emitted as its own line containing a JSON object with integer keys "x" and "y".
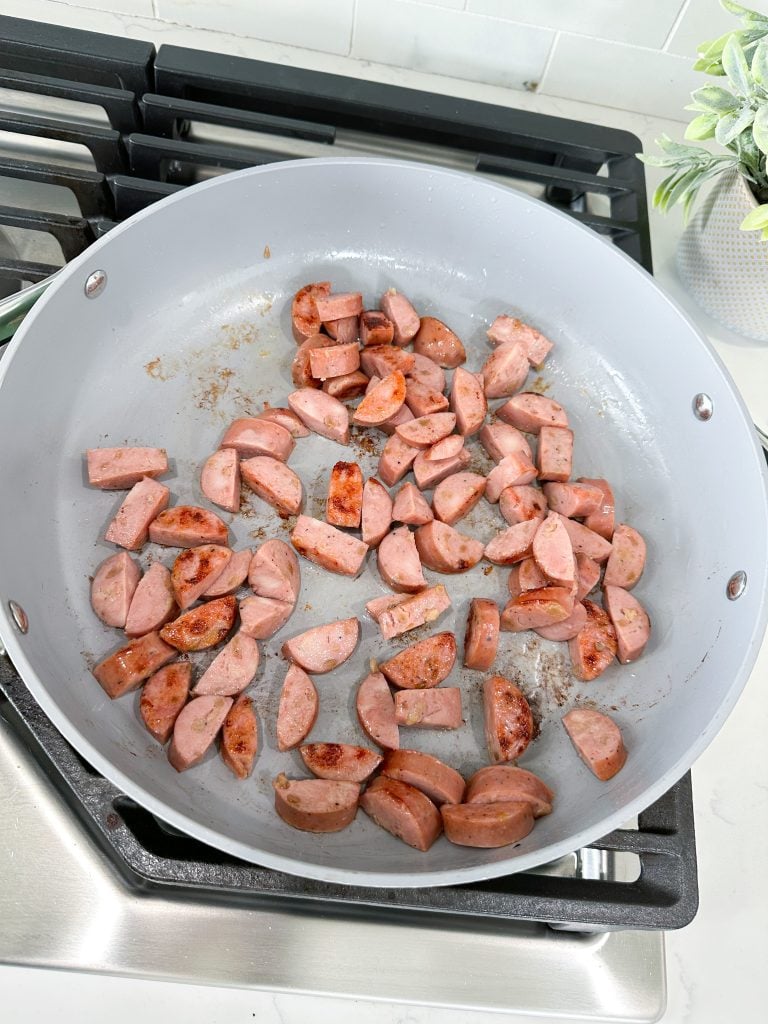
{"x": 716, "y": 965}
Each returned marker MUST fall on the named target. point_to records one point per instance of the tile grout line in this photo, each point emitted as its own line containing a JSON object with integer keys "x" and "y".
{"x": 352, "y": 26}
{"x": 548, "y": 61}
{"x": 675, "y": 25}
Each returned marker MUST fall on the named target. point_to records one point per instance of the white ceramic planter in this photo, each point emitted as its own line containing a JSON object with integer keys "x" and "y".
{"x": 724, "y": 268}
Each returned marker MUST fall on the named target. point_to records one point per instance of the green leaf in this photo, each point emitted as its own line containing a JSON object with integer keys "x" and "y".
{"x": 759, "y": 65}
{"x": 736, "y": 67}
{"x": 662, "y": 190}
{"x": 760, "y": 130}
{"x": 689, "y": 180}
{"x": 765, "y": 234}
{"x": 714, "y": 98}
{"x": 733, "y": 8}
{"x": 702, "y": 127}
{"x": 757, "y": 218}
{"x": 730, "y": 126}
{"x": 688, "y": 154}
{"x": 714, "y": 47}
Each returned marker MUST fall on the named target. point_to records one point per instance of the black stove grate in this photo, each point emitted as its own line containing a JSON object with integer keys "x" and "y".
{"x": 146, "y": 149}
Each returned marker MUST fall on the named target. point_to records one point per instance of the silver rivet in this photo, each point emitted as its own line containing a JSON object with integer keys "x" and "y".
{"x": 703, "y": 406}
{"x": 96, "y": 283}
{"x": 19, "y": 616}
{"x": 737, "y": 584}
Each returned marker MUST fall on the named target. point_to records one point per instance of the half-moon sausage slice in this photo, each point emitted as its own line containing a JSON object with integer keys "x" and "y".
{"x": 423, "y": 401}
{"x": 220, "y": 479}
{"x": 498, "y": 782}
{"x": 126, "y": 669}
{"x": 536, "y": 608}
{"x": 522, "y": 502}
{"x": 262, "y": 617}
{"x": 530, "y": 412}
{"x": 297, "y": 711}
{"x": 187, "y": 526}
{"x": 487, "y": 825}
{"x": 411, "y": 506}
{"x": 505, "y": 370}
{"x": 201, "y": 627}
{"x": 568, "y": 628}
{"x": 398, "y": 561}
{"x": 163, "y": 696}
{"x": 240, "y": 738}
{"x": 114, "y": 584}
{"x": 195, "y": 730}
{"x": 508, "y": 719}
{"x": 195, "y": 569}
{"x": 627, "y": 558}
{"x": 323, "y": 648}
{"x": 554, "y": 455}
{"x": 376, "y": 513}
{"x": 273, "y": 482}
{"x": 457, "y": 495}
{"x": 422, "y": 665}
{"x": 233, "y": 577}
{"x": 285, "y": 418}
{"x": 593, "y": 649}
{"x": 143, "y": 503}
{"x": 426, "y": 606}
{"x": 513, "y": 471}
{"x": 341, "y": 762}
{"x": 553, "y": 551}
{"x": 603, "y": 520}
{"x": 255, "y": 436}
{"x": 395, "y": 460}
{"x": 403, "y": 810}
{"x": 232, "y": 670}
{"x": 437, "y": 342}
{"x": 446, "y": 449}
{"x": 376, "y": 711}
{"x": 481, "y": 640}
{"x": 429, "y": 472}
{"x": 153, "y": 602}
{"x": 405, "y": 319}
{"x": 383, "y": 401}
{"x": 444, "y": 549}
{"x": 316, "y": 805}
{"x": 508, "y": 328}
{"x": 441, "y": 783}
{"x": 344, "y": 505}
{"x": 468, "y": 401}
{"x": 321, "y": 413}
{"x": 427, "y": 430}
{"x": 305, "y": 319}
{"x": 573, "y": 499}
{"x": 325, "y": 545}
{"x": 500, "y": 439}
{"x": 630, "y": 620}
{"x": 513, "y": 544}
{"x": 598, "y": 741}
{"x": 274, "y": 572}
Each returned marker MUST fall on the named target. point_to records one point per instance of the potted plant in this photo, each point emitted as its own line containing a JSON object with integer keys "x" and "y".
{"x": 723, "y": 254}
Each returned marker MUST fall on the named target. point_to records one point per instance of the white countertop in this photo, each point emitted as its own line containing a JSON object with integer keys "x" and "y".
{"x": 716, "y": 965}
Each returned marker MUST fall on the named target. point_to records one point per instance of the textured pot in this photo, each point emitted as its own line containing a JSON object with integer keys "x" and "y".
{"x": 723, "y": 267}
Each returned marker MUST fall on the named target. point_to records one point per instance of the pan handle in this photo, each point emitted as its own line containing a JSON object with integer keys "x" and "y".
{"x": 14, "y": 308}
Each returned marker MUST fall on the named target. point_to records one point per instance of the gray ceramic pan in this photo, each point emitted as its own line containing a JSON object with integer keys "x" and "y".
{"x": 192, "y": 329}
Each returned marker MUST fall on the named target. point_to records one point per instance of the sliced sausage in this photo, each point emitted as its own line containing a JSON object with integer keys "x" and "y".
{"x": 195, "y": 569}
{"x": 114, "y": 584}
{"x": 445, "y": 449}
{"x": 598, "y": 741}
{"x": 536, "y": 608}
{"x": 153, "y": 603}
{"x": 344, "y": 505}
{"x": 297, "y": 710}
{"x": 126, "y": 669}
{"x": 220, "y": 479}
{"x": 487, "y": 826}
{"x": 347, "y": 386}
{"x": 505, "y": 329}
{"x": 468, "y": 402}
{"x": 587, "y": 542}
{"x": 423, "y": 401}
{"x": 427, "y": 372}
{"x": 316, "y": 805}
{"x": 343, "y": 330}
{"x": 398, "y": 562}
{"x": 382, "y": 401}
{"x": 573, "y": 500}
{"x": 554, "y": 455}
{"x": 481, "y": 640}
{"x": 568, "y": 628}
{"x": 273, "y": 482}
{"x": 117, "y": 469}
{"x": 337, "y": 305}
{"x": 499, "y": 782}
{"x": 457, "y": 495}
{"x": 233, "y": 577}
{"x": 429, "y": 473}
{"x": 341, "y": 762}
{"x": 261, "y": 617}
{"x": 376, "y": 513}
{"x": 422, "y": 665}
{"x": 187, "y": 526}
{"x": 513, "y": 544}
{"x": 396, "y": 459}
{"x": 513, "y": 580}
{"x": 376, "y": 328}
{"x": 444, "y": 549}
{"x": 441, "y": 783}
{"x": 438, "y": 342}
{"x": 405, "y": 319}
{"x": 587, "y": 574}
{"x": 286, "y": 418}
{"x": 593, "y": 649}
{"x": 500, "y": 439}
{"x": 427, "y": 430}
{"x": 274, "y": 572}
{"x": 305, "y": 319}
{"x": 323, "y": 648}
{"x": 376, "y": 711}
{"x": 143, "y": 503}
{"x": 530, "y": 576}
{"x": 254, "y": 436}
{"x": 301, "y": 369}
{"x": 414, "y": 611}
{"x": 603, "y": 520}
{"x": 403, "y": 415}
{"x": 334, "y": 361}
{"x": 522, "y": 502}
{"x": 377, "y": 605}
{"x": 321, "y": 413}
{"x": 411, "y": 507}
{"x": 240, "y": 738}
{"x": 514, "y": 470}
{"x": 195, "y": 730}
{"x": 508, "y": 720}
{"x": 630, "y": 620}
{"x": 429, "y": 709}
{"x": 530, "y": 412}
{"x": 382, "y": 360}
{"x": 402, "y": 810}
{"x": 505, "y": 370}
{"x": 201, "y": 627}
{"x": 163, "y": 696}
{"x": 326, "y": 546}
{"x": 627, "y": 558}
{"x": 232, "y": 670}
{"x": 553, "y": 551}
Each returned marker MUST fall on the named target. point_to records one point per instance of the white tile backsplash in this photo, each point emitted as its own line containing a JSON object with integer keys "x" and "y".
{"x": 704, "y": 20}
{"x": 139, "y": 8}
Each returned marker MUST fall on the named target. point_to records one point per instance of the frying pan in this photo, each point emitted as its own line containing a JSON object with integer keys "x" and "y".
{"x": 192, "y": 329}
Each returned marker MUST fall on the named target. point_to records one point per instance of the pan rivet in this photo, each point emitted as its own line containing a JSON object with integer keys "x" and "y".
{"x": 19, "y": 616}
{"x": 95, "y": 284}
{"x": 737, "y": 584}
{"x": 703, "y": 407}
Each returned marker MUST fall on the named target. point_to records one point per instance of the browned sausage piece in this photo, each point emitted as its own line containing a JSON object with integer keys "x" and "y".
{"x": 630, "y": 620}
{"x": 427, "y": 373}
{"x": 316, "y": 805}
{"x": 395, "y": 460}
{"x": 427, "y": 430}
{"x": 481, "y": 640}
{"x": 201, "y": 627}
{"x": 320, "y": 412}
{"x": 530, "y": 412}
{"x": 376, "y": 711}
{"x": 195, "y": 730}
{"x": 593, "y": 649}
{"x": 398, "y": 562}
{"x": 508, "y": 719}
{"x": 143, "y": 503}
{"x": 429, "y": 709}
{"x": 163, "y": 696}
{"x": 513, "y": 544}
{"x": 423, "y": 401}
{"x": 153, "y": 602}
{"x": 234, "y": 575}
{"x": 445, "y": 449}
{"x": 437, "y": 342}
{"x": 444, "y": 549}
{"x": 286, "y": 418}
{"x": 441, "y": 783}
{"x": 262, "y": 617}
{"x": 323, "y": 648}
{"x": 414, "y": 611}
{"x": 232, "y": 670}
{"x": 411, "y": 507}
{"x": 343, "y": 330}
{"x": 377, "y": 605}
{"x": 536, "y": 608}
{"x": 253, "y": 436}
{"x": 522, "y": 502}
{"x": 195, "y": 569}
{"x": 513, "y": 471}
{"x": 326, "y": 546}
{"x": 126, "y": 669}
{"x": 114, "y": 584}
{"x": 344, "y": 505}
{"x": 334, "y": 361}
{"x": 381, "y": 360}
{"x": 429, "y": 473}
{"x": 240, "y": 738}
{"x": 120, "y": 468}
{"x": 403, "y": 810}
{"x": 301, "y": 372}
{"x": 499, "y": 439}
{"x": 337, "y": 306}
{"x": 274, "y": 572}
{"x": 305, "y": 320}
{"x": 487, "y": 826}
{"x": 530, "y": 576}
{"x": 340, "y": 761}
{"x": 602, "y": 521}
{"x": 573, "y": 500}
{"x": 554, "y": 455}
{"x": 498, "y": 782}
{"x": 587, "y": 542}
{"x": 508, "y": 328}
{"x": 186, "y": 526}
{"x": 505, "y": 370}
{"x": 627, "y": 558}
{"x": 553, "y": 551}
{"x": 457, "y": 495}
{"x": 405, "y": 319}
{"x": 422, "y": 665}
{"x": 597, "y": 740}
{"x": 376, "y": 328}
{"x": 220, "y": 479}
{"x": 568, "y": 628}
{"x": 376, "y": 513}
{"x": 468, "y": 402}
{"x": 347, "y": 386}
{"x": 297, "y": 711}
{"x": 587, "y": 574}
{"x": 383, "y": 401}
